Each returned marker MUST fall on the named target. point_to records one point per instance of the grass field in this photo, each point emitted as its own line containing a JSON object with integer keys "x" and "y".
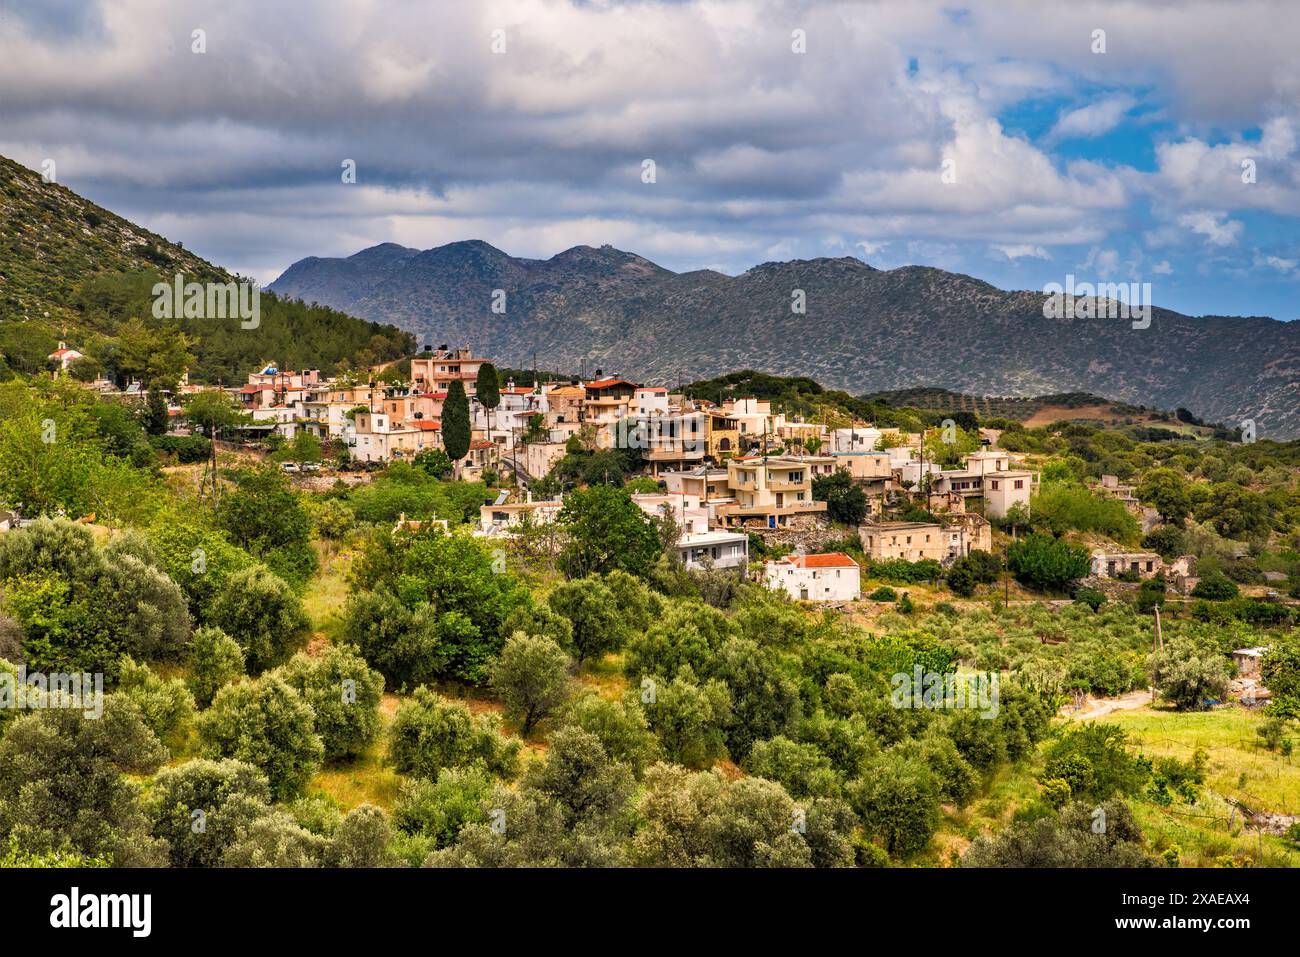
{"x": 1206, "y": 834}
{"x": 1239, "y": 769}
{"x": 327, "y": 593}
{"x": 1240, "y": 772}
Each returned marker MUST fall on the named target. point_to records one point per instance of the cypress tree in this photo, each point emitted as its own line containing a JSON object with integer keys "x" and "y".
{"x": 486, "y": 387}
{"x": 488, "y": 391}
{"x": 455, "y": 422}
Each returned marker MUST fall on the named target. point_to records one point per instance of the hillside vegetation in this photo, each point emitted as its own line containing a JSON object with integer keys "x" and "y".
{"x": 72, "y": 270}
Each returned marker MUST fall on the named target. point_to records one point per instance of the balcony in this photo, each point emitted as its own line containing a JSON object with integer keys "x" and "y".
{"x": 671, "y": 454}
{"x": 789, "y": 508}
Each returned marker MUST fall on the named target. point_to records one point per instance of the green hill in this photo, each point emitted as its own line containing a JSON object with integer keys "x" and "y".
{"x": 72, "y": 270}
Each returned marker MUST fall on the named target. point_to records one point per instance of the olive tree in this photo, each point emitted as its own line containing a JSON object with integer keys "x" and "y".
{"x": 265, "y": 723}
{"x": 531, "y": 678}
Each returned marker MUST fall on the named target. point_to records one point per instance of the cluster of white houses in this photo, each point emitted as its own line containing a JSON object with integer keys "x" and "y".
{"x": 723, "y": 467}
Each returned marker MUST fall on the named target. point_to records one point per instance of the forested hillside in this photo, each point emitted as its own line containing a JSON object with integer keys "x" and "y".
{"x": 72, "y": 270}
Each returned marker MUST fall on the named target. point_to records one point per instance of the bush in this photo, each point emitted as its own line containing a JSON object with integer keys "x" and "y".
{"x": 902, "y": 572}
{"x": 1168, "y": 541}
{"x": 430, "y": 733}
{"x": 187, "y": 448}
{"x": 260, "y": 611}
{"x": 439, "y": 809}
{"x": 1062, "y": 507}
{"x": 597, "y": 620}
{"x": 531, "y": 678}
{"x": 275, "y": 839}
{"x": 1043, "y": 562}
{"x": 1272, "y": 732}
{"x": 898, "y": 801}
{"x": 1151, "y": 594}
{"x": 165, "y": 704}
{"x": 225, "y": 796}
{"x": 343, "y": 693}
{"x": 1215, "y": 588}
{"x": 1189, "y": 677}
{"x": 620, "y": 726}
{"x": 961, "y": 580}
{"x": 884, "y": 593}
{"x": 265, "y": 723}
{"x": 1092, "y": 597}
{"x": 985, "y": 566}
{"x": 215, "y": 660}
{"x": 1094, "y": 761}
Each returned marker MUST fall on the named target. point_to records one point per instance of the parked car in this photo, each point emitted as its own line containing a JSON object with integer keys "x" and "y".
{"x": 290, "y": 467}
{"x": 309, "y": 467}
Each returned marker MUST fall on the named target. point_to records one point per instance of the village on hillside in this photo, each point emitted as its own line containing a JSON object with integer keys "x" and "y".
{"x": 724, "y": 470}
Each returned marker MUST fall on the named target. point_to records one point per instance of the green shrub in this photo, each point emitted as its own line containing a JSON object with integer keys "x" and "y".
{"x": 1215, "y": 588}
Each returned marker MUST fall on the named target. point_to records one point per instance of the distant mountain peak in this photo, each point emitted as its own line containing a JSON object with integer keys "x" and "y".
{"x": 863, "y": 330}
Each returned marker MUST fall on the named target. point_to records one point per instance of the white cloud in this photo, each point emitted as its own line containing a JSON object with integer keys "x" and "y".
{"x": 1285, "y": 266}
{"x": 1217, "y": 229}
{"x": 1020, "y": 251}
{"x": 236, "y": 151}
{"x": 1093, "y": 119}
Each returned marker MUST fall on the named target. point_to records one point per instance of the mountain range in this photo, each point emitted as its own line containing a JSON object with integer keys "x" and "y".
{"x": 864, "y": 329}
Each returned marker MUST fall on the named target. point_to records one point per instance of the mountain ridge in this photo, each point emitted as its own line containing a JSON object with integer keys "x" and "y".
{"x": 865, "y": 329}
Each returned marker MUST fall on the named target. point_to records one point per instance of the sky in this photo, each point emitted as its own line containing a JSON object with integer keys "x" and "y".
{"x": 1021, "y": 143}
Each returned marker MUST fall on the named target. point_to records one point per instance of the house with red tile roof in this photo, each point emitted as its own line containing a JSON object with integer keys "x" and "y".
{"x": 64, "y": 356}
{"x": 832, "y": 576}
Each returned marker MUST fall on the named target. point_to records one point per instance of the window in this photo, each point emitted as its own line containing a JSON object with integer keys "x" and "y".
{"x": 1020, "y": 483}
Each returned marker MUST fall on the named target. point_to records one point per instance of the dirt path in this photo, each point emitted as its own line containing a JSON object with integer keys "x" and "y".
{"x": 1100, "y": 707}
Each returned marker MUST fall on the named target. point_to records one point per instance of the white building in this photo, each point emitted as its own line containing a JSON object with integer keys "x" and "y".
{"x": 860, "y": 438}
{"x": 64, "y": 356}
{"x": 833, "y": 576}
{"x": 374, "y": 437}
{"x": 281, "y": 416}
{"x": 1005, "y": 490}
{"x": 717, "y": 548}
{"x": 650, "y": 400}
{"x": 506, "y": 517}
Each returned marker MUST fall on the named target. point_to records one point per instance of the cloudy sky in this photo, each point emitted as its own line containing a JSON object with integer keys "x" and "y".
{"x": 995, "y": 139}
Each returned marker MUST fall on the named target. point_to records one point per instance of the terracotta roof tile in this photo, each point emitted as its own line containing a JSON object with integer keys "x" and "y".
{"x": 826, "y": 560}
